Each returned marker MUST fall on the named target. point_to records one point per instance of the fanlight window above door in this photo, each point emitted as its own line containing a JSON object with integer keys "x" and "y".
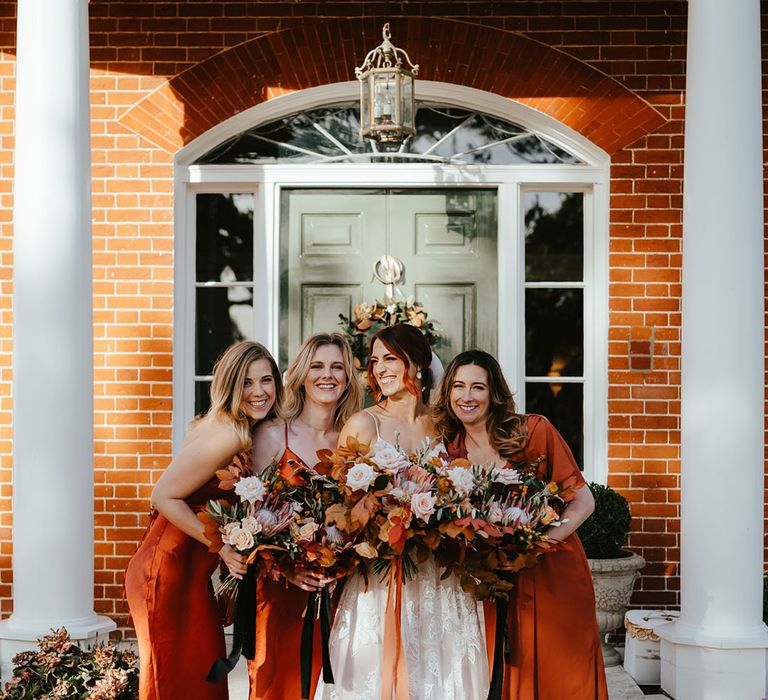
{"x": 443, "y": 134}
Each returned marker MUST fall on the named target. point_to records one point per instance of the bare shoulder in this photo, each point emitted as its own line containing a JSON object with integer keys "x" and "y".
{"x": 361, "y": 425}
{"x": 213, "y": 433}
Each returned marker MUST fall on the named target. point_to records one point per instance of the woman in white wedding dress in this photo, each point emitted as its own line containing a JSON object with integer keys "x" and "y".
{"x": 443, "y": 637}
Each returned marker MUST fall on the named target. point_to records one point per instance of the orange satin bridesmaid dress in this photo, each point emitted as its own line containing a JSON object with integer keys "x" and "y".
{"x": 553, "y": 630}
{"x": 170, "y": 595}
{"x": 274, "y": 672}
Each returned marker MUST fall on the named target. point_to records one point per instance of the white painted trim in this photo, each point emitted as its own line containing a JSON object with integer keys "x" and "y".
{"x": 268, "y": 180}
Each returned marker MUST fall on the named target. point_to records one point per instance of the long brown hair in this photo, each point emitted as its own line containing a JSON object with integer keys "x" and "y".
{"x": 410, "y": 345}
{"x": 504, "y": 425}
{"x": 351, "y": 398}
{"x": 227, "y": 386}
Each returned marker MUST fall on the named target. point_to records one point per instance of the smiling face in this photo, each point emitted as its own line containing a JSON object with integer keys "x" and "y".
{"x": 326, "y": 379}
{"x": 389, "y": 370}
{"x": 470, "y": 396}
{"x": 259, "y": 390}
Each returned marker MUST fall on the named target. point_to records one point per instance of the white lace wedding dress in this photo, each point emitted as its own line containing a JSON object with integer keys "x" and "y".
{"x": 443, "y": 636}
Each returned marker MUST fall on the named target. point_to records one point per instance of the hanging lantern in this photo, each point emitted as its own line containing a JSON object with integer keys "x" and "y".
{"x": 387, "y": 111}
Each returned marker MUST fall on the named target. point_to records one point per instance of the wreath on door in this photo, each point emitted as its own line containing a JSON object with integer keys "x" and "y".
{"x": 366, "y": 319}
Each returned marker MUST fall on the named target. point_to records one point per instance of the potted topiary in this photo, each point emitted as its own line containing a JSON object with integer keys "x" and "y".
{"x": 614, "y": 570}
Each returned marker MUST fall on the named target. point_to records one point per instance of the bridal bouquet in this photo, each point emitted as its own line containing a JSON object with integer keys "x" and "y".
{"x": 489, "y": 522}
{"x": 317, "y": 543}
{"x": 379, "y": 495}
{"x": 256, "y": 525}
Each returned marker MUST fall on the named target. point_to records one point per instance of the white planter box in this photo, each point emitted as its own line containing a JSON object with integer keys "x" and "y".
{"x": 641, "y": 653}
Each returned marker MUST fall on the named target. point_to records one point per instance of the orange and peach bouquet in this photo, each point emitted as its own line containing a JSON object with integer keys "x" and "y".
{"x": 368, "y": 509}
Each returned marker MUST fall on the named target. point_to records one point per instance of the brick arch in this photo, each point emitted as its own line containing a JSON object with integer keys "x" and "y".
{"x": 326, "y": 51}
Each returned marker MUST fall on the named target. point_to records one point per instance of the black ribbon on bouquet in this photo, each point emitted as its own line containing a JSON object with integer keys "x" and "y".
{"x": 323, "y": 599}
{"x": 502, "y": 650}
{"x": 244, "y": 628}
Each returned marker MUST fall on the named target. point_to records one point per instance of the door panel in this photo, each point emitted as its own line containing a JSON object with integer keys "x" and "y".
{"x": 445, "y": 238}
{"x": 321, "y": 306}
{"x": 454, "y": 305}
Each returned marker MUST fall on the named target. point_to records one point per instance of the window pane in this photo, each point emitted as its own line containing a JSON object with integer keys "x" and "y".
{"x": 554, "y": 332}
{"x": 563, "y": 405}
{"x": 224, "y": 237}
{"x": 311, "y": 135}
{"x": 202, "y": 396}
{"x": 554, "y": 236}
{"x": 224, "y": 315}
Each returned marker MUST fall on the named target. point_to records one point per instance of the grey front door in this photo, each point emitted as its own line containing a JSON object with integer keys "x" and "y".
{"x": 446, "y": 239}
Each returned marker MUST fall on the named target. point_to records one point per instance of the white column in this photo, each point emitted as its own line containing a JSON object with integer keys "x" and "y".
{"x": 53, "y": 330}
{"x": 716, "y": 651}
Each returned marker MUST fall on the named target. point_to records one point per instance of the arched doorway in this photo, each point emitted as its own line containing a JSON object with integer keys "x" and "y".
{"x": 281, "y": 211}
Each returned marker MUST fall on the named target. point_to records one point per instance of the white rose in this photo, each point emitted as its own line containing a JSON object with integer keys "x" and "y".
{"x": 364, "y": 549}
{"x": 390, "y": 459}
{"x": 391, "y": 308}
{"x": 251, "y": 489}
{"x": 308, "y": 529}
{"x": 360, "y": 476}
{"x": 241, "y": 539}
{"x": 495, "y": 513}
{"x": 251, "y": 524}
{"x": 507, "y": 476}
{"x": 226, "y": 532}
{"x": 462, "y": 480}
{"x": 516, "y": 516}
{"x": 423, "y": 505}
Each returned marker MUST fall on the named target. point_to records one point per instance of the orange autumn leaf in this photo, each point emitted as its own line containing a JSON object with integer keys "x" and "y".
{"x": 228, "y": 477}
{"x": 212, "y": 533}
{"x": 460, "y": 462}
{"x": 364, "y": 509}
{"x": 353, "y": 448}
{"x": 338, "y": 515}
{"x": 431, "y": 539}
{"x": 453, "y": 529}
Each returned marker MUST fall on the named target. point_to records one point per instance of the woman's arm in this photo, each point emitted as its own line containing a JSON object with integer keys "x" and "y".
{"x": 576, "y": 512}
{"x": 210, "y": 447}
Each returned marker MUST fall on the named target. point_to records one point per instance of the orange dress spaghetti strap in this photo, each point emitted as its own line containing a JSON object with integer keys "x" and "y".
{"x": 553, "y": 629}
{"x": 274, "y": 672}
{"x": 170, "y": 596}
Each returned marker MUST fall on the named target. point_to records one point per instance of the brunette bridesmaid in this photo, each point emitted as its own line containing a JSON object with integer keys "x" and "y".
{"x": 321, "y": 392}
{"x": 555, "y": 644}
{"x": 168, "y": 580}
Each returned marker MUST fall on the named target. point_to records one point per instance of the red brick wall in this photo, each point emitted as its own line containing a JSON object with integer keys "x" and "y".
{"x": 164, "y": 72}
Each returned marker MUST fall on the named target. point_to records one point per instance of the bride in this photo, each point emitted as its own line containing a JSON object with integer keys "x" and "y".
{"x": 443, "y": 639}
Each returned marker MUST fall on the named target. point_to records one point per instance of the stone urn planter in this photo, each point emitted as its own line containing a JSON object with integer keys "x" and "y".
{"x": 614, "y": 580}
{"x": 614, "y": 570}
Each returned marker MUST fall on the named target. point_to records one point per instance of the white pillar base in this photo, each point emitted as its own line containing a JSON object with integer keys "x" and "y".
{"x": 710, "y": 669}
{"x": 19, "y": 635}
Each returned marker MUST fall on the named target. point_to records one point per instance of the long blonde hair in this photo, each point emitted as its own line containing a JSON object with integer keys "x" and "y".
{"x": 351, "y": 398}
{"x": 504, "y": 425}
{"x": 229, "y": 374}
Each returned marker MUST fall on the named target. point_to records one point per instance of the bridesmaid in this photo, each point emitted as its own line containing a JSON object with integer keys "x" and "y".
{"x": 555, "y": 644}
{"x": 168, "y": 580}
{"x": 321, "y": 392}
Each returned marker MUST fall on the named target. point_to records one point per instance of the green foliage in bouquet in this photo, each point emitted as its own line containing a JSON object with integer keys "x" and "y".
{"x": 605, "y": 532}
{"x": 61, "y": 669}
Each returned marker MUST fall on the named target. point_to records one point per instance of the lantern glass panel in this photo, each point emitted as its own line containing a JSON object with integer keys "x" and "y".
{"x": 365, "y": 103}
{"x": 407, "y": 101}
{"x": 384, "y": 97}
